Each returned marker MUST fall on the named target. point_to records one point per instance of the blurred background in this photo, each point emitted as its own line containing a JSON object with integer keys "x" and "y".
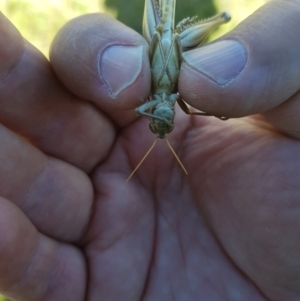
{"x": 39, "y": 21}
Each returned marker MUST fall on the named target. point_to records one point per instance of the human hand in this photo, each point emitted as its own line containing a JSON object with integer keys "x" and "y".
{"x": 73, "y": 229}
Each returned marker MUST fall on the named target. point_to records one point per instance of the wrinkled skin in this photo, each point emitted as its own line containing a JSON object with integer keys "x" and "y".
{"x": 73, "y": 229}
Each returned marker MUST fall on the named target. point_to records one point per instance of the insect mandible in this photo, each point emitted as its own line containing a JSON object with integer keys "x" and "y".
{"x": 166, "y": 45}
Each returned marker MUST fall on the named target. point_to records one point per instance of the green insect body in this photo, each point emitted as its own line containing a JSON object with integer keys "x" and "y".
{"x": 167, "y": 43}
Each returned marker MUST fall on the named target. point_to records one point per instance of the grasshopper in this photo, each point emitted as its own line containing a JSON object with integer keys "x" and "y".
{"x": 166, "y": 45}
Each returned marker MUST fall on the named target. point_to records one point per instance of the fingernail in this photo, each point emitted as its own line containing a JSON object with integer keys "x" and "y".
{"x": 120, "y": 66}
{"x": 221, "y": 61}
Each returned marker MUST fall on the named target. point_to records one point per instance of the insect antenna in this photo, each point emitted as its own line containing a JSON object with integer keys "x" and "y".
{"x": 172, "y": 150}
{"x": 145, "y": 156}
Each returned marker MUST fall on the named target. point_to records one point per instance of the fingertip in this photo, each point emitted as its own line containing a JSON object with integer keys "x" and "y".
{"x": 248, "y": 71}
{"x": 209, "y": 71}
{"x": 102, "y": 60}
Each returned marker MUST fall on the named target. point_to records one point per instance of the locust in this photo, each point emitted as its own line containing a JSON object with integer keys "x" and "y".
{"x": 167, "y": 42}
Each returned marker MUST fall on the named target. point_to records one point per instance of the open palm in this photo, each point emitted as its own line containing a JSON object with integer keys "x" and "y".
{"x": 72, "y": 228}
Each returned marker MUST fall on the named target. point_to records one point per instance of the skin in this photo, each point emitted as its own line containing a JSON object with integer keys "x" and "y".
{"x": 73, "y": 229}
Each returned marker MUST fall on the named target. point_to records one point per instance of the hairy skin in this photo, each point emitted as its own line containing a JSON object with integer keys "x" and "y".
{"x": 73, "y": 229}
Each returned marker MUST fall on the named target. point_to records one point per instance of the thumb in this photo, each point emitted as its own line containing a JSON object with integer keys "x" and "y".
{"x": 251, "y": 70}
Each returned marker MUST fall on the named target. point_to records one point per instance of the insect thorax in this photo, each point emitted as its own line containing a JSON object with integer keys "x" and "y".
{"x": 163, "y": 124}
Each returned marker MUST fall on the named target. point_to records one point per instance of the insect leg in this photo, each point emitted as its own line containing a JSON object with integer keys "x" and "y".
{"x": 151, "y": 19}
{"x": 194, "y": 35}
{"x": 187, "y": 110}
{"x": 141, "y": 110}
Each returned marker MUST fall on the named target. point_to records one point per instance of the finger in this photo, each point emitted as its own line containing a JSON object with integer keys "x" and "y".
{"x": 34, "y": 104}
{"x": 253, "y": 69}
{"x": 54, "y": 195}
{"x": 102, "y": 60}
{"x": 285, "y": 117}
{"x": 34, "y": 267}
